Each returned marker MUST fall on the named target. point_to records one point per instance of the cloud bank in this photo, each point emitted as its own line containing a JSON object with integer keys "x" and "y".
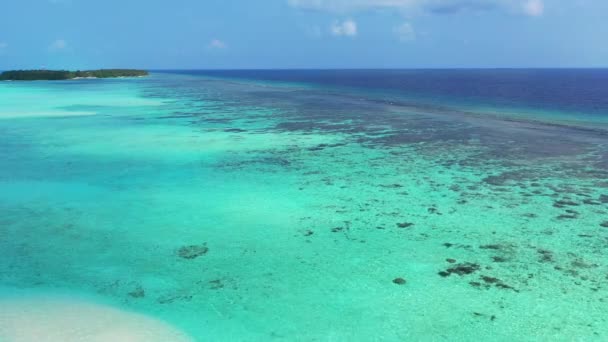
{"x": 528, "y": 7}
{"x": 534, "y": 8}
{"x": 346, "y": 28}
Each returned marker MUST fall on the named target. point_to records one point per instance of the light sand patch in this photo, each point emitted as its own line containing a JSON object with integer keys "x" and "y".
{"x": 48, "y": 113}
{"x": 26, "y": 100}
{"x": 50, "y": 319}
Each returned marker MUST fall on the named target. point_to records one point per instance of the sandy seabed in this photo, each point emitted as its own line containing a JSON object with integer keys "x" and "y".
{"x": 46, "y": 318}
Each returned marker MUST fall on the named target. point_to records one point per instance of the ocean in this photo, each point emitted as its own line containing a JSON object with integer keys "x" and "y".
{"x": 307, "y": 205}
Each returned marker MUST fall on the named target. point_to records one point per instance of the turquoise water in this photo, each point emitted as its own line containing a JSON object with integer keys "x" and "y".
{"x": 240, "y": 211}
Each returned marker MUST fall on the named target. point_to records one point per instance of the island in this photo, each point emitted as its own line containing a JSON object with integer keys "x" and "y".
{"x": 56, "y": 75}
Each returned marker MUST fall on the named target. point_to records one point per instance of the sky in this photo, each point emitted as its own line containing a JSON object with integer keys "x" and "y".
{"x": 269, "y": 34}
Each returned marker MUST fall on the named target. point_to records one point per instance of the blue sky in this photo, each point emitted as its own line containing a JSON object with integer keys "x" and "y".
{"x": 208, "y": 34}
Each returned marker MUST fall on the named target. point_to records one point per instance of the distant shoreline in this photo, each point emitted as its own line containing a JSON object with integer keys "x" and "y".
{"x": 62, "y": 75}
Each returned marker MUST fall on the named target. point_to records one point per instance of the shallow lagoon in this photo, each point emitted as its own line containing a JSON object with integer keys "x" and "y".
{"x": 298, "y": 208}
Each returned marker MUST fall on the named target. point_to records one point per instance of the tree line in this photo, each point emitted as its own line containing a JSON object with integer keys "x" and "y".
{"x": 52, "y": 75}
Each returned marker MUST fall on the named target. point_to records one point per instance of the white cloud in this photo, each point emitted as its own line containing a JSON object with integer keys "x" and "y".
{"x": 405, "y": 32}
{"x": 346, "y": 28}
{"x": 530, "y": 7}
{"x": 58, "y": 45}
{"x": 217, "y": 44}
{"x": 534, "y": 8}
{"x": 348, "y": 5}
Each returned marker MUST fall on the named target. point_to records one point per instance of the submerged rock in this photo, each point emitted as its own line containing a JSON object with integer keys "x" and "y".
{"x": 404, "y": 225}
{"x": 604, "y": 224}
{"x": 399, "y": 281}
{"x": 193, "y": 251}
{"x": 138, "y": 292}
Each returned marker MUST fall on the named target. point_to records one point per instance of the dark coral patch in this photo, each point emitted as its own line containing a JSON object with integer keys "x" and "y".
{"x": 193, "y": 251}
{"x": 138, "y": 292}
{"x": 488, "y": 282}
{"x": 545, "y": 255}
{"x": 497, "y": 258}
{"x": 589, "y": 201}
{"x": 216, "y": 284}
{"x": 460, "y": 269}
{"x": 392, "y": 186}
{"x": 565, "y": 203}
{"x": 492, "y": 246}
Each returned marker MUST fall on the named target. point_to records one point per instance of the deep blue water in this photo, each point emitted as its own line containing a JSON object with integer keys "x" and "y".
{"x": 578, "y": 91}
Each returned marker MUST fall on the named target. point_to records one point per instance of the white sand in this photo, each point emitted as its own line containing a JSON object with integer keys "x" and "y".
{"x": 50, "y": 319}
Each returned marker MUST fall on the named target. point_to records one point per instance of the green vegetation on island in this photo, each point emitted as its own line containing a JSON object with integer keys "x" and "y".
{"x": 53, "y": 75}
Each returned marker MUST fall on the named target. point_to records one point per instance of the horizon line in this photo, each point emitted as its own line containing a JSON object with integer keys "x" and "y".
{"x": 321, "y": 69}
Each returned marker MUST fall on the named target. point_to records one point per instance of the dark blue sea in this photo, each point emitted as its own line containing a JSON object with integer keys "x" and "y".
{"x": 567, "y": 94}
